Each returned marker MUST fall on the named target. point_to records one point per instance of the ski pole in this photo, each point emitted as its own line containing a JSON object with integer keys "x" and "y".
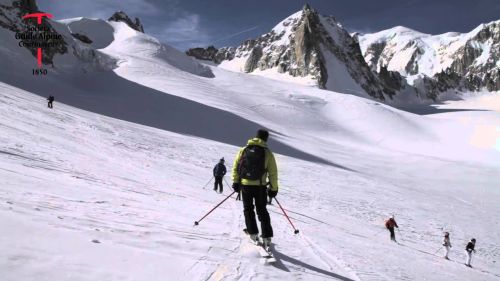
{"x": 198, "y": 221}
{"x": 226, "y": 183}
{"x": 238, "y": 197}
{"x": 437, "y": 251}
{"x": 399, "y": 232}
{"x": 208, "y": 182}
{"x": 295, "y": 230}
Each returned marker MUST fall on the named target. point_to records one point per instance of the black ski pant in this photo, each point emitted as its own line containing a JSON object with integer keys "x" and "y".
{"x": 218, "y": 182}
{"x": 393, "y": 235}
{"x": 49, "y": 104}
{"x": 257, "y": 194}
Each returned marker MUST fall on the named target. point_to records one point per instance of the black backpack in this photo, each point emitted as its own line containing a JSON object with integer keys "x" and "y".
{"x": 252, "y": 164}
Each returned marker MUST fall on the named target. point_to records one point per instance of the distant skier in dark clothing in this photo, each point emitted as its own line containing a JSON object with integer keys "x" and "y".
{"x": 219, "y": 172}
{"x": 50, "y": 99}
{"x": 252, "y": 168}
{"x": 390, "y": 224}
{"x": 446, "y": 244}
{"x": 469, "y": 249}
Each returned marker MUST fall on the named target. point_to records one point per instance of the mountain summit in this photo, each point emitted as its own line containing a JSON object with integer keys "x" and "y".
{"x": 313, "y": 47}
{"x": 398, "y": 63}
{"x": 121, "y": 16}
{"x": 467, "y": 62}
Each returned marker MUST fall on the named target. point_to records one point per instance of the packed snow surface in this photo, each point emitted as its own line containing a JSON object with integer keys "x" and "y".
{"x": 87, "y": 196}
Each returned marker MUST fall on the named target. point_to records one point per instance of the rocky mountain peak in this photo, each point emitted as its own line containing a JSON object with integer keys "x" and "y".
{"x": 313, "y": 47}
{"x": 307, "y": 8}
{"x": 121, "y": 16}
{"x": 27, "y": 6}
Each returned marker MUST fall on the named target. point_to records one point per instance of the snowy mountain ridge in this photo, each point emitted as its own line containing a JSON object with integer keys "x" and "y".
{"x": 311, "y": 49}
{"x": 464, "y": 62}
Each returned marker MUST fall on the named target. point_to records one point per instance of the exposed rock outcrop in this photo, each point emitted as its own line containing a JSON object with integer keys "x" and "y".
{"x": 82, "y": 38}
{"x": 121, "y": 16}
{"x": 203, "y": 54}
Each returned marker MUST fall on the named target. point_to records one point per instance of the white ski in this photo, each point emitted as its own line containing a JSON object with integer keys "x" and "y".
{"x": 266, "y": 254}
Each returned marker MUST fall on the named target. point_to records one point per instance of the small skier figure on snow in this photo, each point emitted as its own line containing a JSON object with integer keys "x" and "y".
{"x": 446, "y": 245}
{"x": 390, "y": 224}
{"x": 51, "y": 100}
{"x": 468, "y": 250}
{"x": 219, "y": 172}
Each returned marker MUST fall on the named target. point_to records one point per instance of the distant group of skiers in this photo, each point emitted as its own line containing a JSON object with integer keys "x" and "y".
{"x": 254, "y": 169}
{"x": 390, "y": 224}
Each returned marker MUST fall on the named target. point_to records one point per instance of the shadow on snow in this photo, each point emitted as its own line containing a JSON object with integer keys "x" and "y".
{"x": 280, "y": 258}
{"x": 108, "y": 94}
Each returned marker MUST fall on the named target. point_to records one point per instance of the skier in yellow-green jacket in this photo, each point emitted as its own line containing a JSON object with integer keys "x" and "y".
{"x": 253, "y": 167}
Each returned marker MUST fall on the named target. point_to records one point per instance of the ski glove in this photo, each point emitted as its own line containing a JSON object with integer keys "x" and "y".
{"x": 272, "y": 193}
{"x": 236, "y": 187}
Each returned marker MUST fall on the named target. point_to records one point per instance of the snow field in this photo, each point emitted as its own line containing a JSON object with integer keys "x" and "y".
{"x": 90, "y": 197}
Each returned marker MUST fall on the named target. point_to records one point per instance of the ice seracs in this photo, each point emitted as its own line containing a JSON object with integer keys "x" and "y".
{"x": 456, "y": 61}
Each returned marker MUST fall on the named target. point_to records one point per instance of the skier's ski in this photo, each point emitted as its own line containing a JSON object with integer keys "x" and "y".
{"x": 266, "y": 254}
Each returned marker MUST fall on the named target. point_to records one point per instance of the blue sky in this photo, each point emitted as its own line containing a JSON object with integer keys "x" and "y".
{"x": 189, "y": 23}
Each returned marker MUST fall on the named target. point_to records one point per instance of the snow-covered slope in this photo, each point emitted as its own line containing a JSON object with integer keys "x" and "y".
{"x": 89, "y": 197}
{"x": 469, "y": 61}
{"x": 312, "y": 109}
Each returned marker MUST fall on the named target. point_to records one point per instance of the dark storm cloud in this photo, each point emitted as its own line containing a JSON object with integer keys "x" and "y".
{"x": 190, "y": 23}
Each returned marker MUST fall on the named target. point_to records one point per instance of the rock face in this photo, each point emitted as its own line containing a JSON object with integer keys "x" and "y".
{"x": 120, "y": 16}
{"x": 203, "y": 54}
{"x": 312, "y": 46}
{"x": 212, "y": 54}
{"x": 82, "y": 38}
{"x": 11, "y": 19}
{"x": 28, "y": 6}
{"x": 462, "y": 62}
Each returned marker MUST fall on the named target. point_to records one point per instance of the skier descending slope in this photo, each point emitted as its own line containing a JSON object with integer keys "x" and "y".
{"x": 390, "y": 224}
{"x": 51, "y": 100}
{"x": 253, "y": 165}
{"x": 219, "y": 173}
{"x": 446, "y": 244}
{"x": 469, "y": 249}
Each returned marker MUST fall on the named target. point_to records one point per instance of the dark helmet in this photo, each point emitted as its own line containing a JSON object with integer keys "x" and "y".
{"x": 262, "y": 134}
{"x": 446, "y": 233}
{"x": 473, "y": 240}
{"x": 222, "y": 159}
